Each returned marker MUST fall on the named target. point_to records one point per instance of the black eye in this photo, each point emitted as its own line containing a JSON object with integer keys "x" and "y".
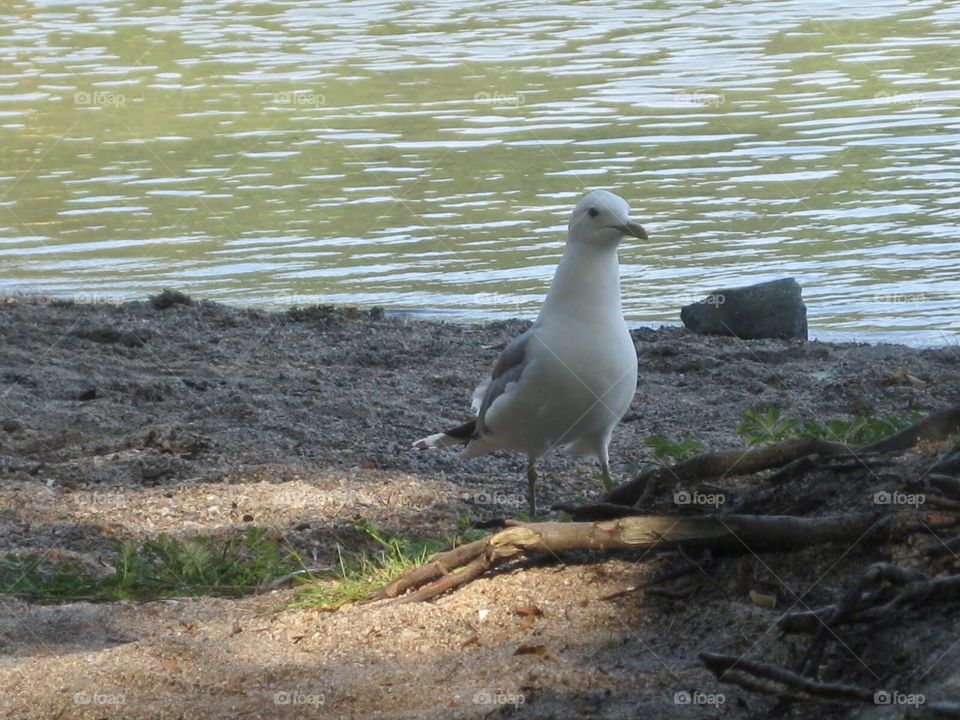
{"x": 593, "y": 212}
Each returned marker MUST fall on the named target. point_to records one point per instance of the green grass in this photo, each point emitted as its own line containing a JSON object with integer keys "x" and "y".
{"x": 759, "y": 428}
{"x": 169, "y": 567}
{"x": 359, "y": 574}
{"x": 160, "y": 568}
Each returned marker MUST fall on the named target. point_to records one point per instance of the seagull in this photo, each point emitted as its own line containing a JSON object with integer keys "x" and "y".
{"x": 568, "y": 380}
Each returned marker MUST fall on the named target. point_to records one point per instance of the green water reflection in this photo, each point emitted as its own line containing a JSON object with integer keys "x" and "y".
{"x": 424, "y": 156}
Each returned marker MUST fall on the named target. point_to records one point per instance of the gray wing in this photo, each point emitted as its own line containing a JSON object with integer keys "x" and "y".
{"x": 507, "y": 369}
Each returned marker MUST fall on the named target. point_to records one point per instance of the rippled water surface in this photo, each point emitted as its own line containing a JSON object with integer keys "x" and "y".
{"x": 425, "y": 156}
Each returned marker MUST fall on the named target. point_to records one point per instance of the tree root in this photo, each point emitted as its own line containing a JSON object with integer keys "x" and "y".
{"x": 712, "y": 466}
{"x": 790, "y": 459}
{"x": 883, "y": 592}
{"x": 933, "y": 428}
{"x": 752, "y": 675}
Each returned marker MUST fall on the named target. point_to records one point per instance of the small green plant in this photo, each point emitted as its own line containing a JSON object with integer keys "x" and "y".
{"x": 769, "y": 427}
{"x": 201, "y": 566}
{"x": 45, "y": 579}
{"x": 760, "y": 428}
{"x": 159, "y": 568}
{"x": 860, "y": 430}
{"x": 467, "y": 531}
{"x": 360, "y": 574}
{"x": 664, "y": 448}
{"x": 607, "y": 481}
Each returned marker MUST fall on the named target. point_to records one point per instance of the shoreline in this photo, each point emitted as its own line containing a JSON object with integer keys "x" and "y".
{"x": 913, "y": 338}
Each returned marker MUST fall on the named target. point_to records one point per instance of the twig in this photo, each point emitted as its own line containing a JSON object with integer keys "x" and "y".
{"x": 729, "y": 668}
{"x": 645, "y": 584}
{"x": 723, "y": 463}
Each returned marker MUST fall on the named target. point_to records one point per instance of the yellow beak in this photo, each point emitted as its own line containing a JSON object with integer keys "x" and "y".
{"x": 634, "y": 229}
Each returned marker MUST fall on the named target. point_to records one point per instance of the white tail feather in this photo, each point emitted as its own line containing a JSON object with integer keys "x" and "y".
{"x": 437, "y": 440}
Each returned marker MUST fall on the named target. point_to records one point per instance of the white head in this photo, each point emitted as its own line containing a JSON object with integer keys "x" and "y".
{"x": 602, "y": 219}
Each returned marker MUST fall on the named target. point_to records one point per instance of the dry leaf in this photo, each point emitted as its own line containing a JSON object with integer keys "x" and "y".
{"x": 529, "y": 610}
{"x": 763, "y": 600}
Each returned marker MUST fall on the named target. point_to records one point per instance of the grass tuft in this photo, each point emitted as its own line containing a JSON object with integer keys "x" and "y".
{"x": 358, "y": 574}
{"x": 159, "y": 568}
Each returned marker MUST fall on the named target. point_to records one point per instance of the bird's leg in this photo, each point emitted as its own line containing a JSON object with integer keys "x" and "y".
{"x": 532, "y": 489}
{"x": 605, "y": 474}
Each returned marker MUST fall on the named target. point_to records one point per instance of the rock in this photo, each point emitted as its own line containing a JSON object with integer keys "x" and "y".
{"x": 11, "y": 425}
{"x": 766, "y": 310}
{"x": 168, "y": 298}
{"x": 109, "y": 336}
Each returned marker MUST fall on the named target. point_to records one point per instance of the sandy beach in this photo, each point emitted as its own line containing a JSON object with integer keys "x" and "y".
{"x": 122, "y": 422}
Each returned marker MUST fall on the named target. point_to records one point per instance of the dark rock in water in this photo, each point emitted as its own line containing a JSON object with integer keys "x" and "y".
{"x": 766, "y": 310}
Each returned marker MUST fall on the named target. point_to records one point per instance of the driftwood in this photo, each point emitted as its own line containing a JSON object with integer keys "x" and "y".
{"x": 731, "y": 533}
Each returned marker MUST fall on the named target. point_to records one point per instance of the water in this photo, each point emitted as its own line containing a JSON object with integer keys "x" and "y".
{"x": 425, "y": 156}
